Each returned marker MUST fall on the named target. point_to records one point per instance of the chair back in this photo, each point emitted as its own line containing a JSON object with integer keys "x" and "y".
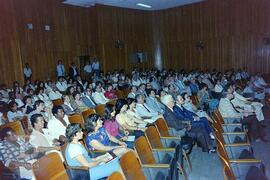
{"x": 219, "y": 116}
{"x": 194, "y": 99}
{"x": 153, "y": 137}
{"x": 115, "y": 176}
{"x": 57, "y": 102}
{"x": 100, "y": 109}
{"x": 228, "y": 173}
{"x": 76, "y": 118}
{"x": 119, "y": 94}
{"x": 126, "y": 92}
{"x": 162, "y": 127}
{"x": 50, "y": 166}
{"x": 112, "y": 102}
{"x": 131, "y": 166}
{"x": 16, "y": 126}
{"x": 87, "y": 113}
{"x": 144, "y": 151}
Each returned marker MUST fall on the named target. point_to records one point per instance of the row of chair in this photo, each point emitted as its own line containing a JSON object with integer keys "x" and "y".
{"x": 155, "y": 156}
{"x": 233, "y": 147}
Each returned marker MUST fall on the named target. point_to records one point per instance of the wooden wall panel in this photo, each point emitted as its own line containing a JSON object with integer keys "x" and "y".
{"x": 232, "y": 30}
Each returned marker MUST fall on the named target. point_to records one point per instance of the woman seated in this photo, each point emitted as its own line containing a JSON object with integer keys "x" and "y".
{"x": 77, "y": 102}
{"x": 77, "y": 155}
{"x": 42, "y": 95}
{"x": 131, "y": 113}
{"x": 99, "y": 139}
{"x": 69, "y": 110}
{"x": 191, "y": 107}
{"x": 110, "y": 92}
{"x": 14, "y": 113}
{"x": 125, "y": 121}
{"x": 205, "y": 101}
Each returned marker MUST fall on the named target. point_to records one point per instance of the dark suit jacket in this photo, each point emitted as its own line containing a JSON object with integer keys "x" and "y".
{"x": 183, "y": 113}
{"x": 172, "y": 120}
{"x": 71, "y": 72}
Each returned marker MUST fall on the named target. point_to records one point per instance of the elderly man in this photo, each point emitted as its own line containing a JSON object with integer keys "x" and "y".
{"x": 184, "y": 127}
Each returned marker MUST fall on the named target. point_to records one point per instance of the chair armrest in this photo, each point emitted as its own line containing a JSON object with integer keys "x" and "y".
{"x": 78, "y": 168}
{"x": 156, "y": 166}
{"x": 170, "y": 137}
{"x": 237, "y": 144}
{"x": 245, "y": 161}
{"x": 234, "y": 133}
{"x": 164, "y": 149}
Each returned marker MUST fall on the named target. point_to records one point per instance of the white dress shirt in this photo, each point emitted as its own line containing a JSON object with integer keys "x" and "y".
{"x": 27, "y": 72}
{"x": 56, "y": 128}
{"x": 99, "y": 98}
{"x": 61, "y": 86}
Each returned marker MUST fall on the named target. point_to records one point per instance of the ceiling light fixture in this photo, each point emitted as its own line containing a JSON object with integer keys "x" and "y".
{"x": 144, "y": 5}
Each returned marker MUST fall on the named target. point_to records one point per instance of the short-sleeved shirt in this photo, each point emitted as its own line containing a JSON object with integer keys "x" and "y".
{"x": 74, "y": 150}
{"x": 112, "y": 127}
{"x": 100, "y": 136}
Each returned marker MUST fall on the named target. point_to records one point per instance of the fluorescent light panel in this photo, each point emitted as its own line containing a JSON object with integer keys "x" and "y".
{"x": 144, "y": 5}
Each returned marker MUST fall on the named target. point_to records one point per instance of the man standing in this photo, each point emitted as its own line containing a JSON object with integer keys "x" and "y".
{"x": 60, "y": 69}
{"x": 73, "y": 71}
{"x": 27, "y": 72}
{"x": 95, "y": 66}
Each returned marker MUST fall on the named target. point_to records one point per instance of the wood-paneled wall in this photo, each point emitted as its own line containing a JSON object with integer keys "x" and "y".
{"x": 232, "y": 30}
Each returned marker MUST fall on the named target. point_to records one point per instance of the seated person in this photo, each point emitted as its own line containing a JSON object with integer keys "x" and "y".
{"x": 58, "y": 124}
{"x": 186, "y": 115}
{"x": 191, "y": 107}
{"x": 144, "y": 111}
{"x": 77, "y": 103}
{"x": 110, "y": 92}
{"x": 132, "y": 115}
{"x": 152, "y": 101}
{"x": 54, "y": 93}
{"x": 14, "y": 113}
{"x": 132, "y": 92}
{"x": 182, "y": 128}
{"x": 124, "y": 121}
{"x": 28, "y": 107}
{"x": 204, "y": 99}
{"x": 40, "y": 137}
{"x": 99, "y": 97}
{"x": 68, "y": 109}
{"x": 17, "y": 154}
{"x": 77, "y": 155}
{"x": 87, "y": 98}
{"x": 99, "y": 139}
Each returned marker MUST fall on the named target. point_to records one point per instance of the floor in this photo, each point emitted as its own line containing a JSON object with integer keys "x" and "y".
{"x": 208, "y": 167}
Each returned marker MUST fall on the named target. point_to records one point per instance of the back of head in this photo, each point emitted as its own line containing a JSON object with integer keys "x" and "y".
{"x": 89, "y": 124}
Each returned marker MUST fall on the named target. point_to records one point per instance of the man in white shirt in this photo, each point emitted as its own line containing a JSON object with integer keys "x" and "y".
{"x": 99, "y": 97}
{"x": 60, "y": 69}
{"x": 57, "y": 125}
{"x": 132, "y": 93}
{"x": 27, "y": 71}
{"x": 88, "y": 68}
{"x": 145, "y": 111}
{"x": 61, "y": 84}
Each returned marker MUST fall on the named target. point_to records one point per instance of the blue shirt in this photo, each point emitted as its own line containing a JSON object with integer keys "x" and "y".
{"x": 100, "y": 136}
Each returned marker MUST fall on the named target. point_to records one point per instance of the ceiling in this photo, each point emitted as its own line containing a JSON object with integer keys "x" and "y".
{"x": 155, "y": 4}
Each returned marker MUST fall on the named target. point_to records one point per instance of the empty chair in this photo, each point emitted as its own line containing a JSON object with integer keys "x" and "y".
{"x": 87, "y": 113}
{"x": 76, "y": 118}
{"x": 156, "y": 142}
{"x": 131, "y": 167}
{"x": 119, "y": 94}
{"x": 100, "y": 109}
{"x": 50, "y": 166}
{"x": 57, "y": 102}
{"x": 157, "y": 158}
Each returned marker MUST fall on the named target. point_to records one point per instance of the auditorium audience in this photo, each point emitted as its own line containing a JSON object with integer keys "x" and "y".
{"x": 77, "y": 155}
{"x": 14, "y": 113}
{"x": 99, "y": 139}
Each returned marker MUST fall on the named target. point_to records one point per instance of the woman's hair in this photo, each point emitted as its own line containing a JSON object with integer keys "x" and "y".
{"x": 183, "y": 95}
{"x": 109, "y": 108}
{"x": 119, "y": 104}
{"x": 89, "y": 124}
{"x": 130, "y": 101}
{"x": 75, "y": 93}
{"x": 108, "y": 85}
{"x": 71, "y": 130}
